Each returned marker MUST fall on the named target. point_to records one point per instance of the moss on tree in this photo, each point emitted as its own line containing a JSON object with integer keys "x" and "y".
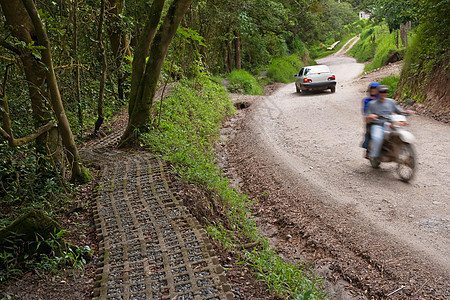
{"x": 26, "y": 230}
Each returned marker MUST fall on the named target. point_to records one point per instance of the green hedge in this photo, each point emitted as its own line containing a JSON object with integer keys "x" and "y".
{"x": 243, "y": 82}
{"x": 284, "y": 68}
{"x": 391, "y": 82}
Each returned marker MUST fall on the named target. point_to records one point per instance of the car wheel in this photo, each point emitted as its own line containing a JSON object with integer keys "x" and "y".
{"x": 298, "y": 90}
{"x": 333, "y": 89}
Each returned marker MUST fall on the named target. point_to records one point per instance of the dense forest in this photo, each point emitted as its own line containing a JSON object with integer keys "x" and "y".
{"x": 67, "y": 67}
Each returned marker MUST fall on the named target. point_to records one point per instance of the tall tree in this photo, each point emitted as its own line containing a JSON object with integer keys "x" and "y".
{"x": 22, "y": 28}
{"x": 26, "y": 25}
{"x": 119, "y": 41}
{"x": 145, "y": 76}
{"x": 101, "y": 94}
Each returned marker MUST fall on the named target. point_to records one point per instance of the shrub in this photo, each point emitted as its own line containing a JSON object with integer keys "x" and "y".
{"x": 364, "y": 49}
{"x": 299, "y": 47}
{"x": 384, "y": 49}
{"x": 244, "y": 83}
{"x": 391, "y": 82}
{"x": 284, "y": 68}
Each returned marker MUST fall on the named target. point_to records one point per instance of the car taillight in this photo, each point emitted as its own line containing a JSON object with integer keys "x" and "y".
{"x": 307, "y": 80}
{"x": 332, "y": 78}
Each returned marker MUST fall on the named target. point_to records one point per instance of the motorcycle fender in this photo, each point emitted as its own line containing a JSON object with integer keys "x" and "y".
{"x": 407, "y": 137}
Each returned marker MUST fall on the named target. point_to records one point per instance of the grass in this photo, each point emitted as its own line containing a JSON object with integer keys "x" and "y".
{"x": 391, "y": 82}
{"x": 189, "y": 126}
{"x": 19, "y": 256}
{"x": 283, "y": 69}
{"x": 243, "y": 82}
{"x": 376, "y": 46}
{"x": 427, "y": 55}
{"x": 284, "y": 279}
{"x": 348, "y": 32}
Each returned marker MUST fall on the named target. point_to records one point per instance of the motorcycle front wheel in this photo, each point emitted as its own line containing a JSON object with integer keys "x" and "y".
{"x": 406, "y": 162}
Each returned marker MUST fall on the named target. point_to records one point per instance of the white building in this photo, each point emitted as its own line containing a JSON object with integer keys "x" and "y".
{"x": 364, "y": 15}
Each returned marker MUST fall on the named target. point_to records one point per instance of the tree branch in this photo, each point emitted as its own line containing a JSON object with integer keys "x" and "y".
{"x": 6, "y": 130}
{"x": 9, "y": 46}
{"x": 5, "y": 134}
{"x": 19, "y": 142}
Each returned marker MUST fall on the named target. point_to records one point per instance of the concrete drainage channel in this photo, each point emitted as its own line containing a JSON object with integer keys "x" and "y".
{"x": 151, "y": 247}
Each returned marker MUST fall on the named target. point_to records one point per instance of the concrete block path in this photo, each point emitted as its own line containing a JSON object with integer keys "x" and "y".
{"x": 151, "y": 246}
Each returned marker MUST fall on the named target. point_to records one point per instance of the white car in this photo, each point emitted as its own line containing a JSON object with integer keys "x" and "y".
{"x": 317, "y": 77}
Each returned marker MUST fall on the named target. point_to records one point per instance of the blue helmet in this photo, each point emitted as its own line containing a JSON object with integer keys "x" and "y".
{"x": 373, "y": 85}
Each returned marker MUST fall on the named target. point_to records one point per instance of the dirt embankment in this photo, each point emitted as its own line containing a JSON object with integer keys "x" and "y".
{"x": 434, "y": 85}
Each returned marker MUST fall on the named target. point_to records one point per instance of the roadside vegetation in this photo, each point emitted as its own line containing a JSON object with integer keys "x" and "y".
{"x": 189, "y": 124}
{"x": 392, "y": 83}
{"x": 426, "y": 74}
{"x": 242, "y": 82}
{"x": 377, "y": 46}
{"x": 282, "y": 68}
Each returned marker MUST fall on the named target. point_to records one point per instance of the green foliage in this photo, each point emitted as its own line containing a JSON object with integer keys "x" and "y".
{"x": 335, "y": 16}
{"x": 244, "y": 83}
{"x": 376, "y": 45}
{"x": 385, "y": 48}
{"x": 20, "y": 256}
{"x": 285, "y": 279}
{"x": 348, "y": 32}
{"x": 299, "y": 47}
{"x": 267, "y": 29}
{"x": 391, "y": 82}
{"x": 283, "y": 69}
{"x": 29, "y": 181}
{"x": 364, "y": 49}
{"x": 396, "y": 12}
{"x": 428, "y": 52}
{"x": 224, "y": 236}
{"x": 189, "y": 126}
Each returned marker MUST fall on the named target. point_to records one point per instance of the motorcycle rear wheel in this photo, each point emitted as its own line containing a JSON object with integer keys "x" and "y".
{"x": 406, "y": 162}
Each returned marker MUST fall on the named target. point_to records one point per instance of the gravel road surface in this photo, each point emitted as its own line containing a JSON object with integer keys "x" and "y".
{"x": 374, "y": 231}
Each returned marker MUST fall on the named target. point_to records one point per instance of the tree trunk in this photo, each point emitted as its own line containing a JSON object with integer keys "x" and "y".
{"x": 101, "y": 94}
{"x": 237, "y": 50}
{"x": 25, "y": 230}
{"x": 396, "y": 39}
{"x": 142, "y": 50}
{"x": 118, "y": 40}
{"x": 6, "y": 128}
{"x": 141, "y": 100}
{"x": 79, "y": 173}
{"x": 77, "y": 67}
{"x": 229, "y": 57}
{"x": 22, "y": 28}
{"x": 404, "y": 34}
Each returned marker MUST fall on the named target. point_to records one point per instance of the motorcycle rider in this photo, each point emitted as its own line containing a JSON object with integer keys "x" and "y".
{"x": 373, "y": 95}
{"x": 382, "y": 106}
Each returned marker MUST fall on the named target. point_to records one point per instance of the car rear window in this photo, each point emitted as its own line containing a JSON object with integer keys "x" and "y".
{"x": 316, "y": 69}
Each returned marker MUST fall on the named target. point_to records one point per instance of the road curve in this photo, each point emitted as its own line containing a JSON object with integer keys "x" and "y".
{"x": 312, "y": 141}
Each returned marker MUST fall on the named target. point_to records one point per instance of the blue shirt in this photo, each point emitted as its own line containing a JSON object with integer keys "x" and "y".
{"x": 366, "y": 102}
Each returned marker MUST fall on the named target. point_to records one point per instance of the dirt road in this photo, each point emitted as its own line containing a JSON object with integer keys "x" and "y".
{"x": 299, "y": 155}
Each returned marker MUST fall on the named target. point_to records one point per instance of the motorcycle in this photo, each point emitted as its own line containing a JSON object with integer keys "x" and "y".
{"x": 397, "y": 147}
